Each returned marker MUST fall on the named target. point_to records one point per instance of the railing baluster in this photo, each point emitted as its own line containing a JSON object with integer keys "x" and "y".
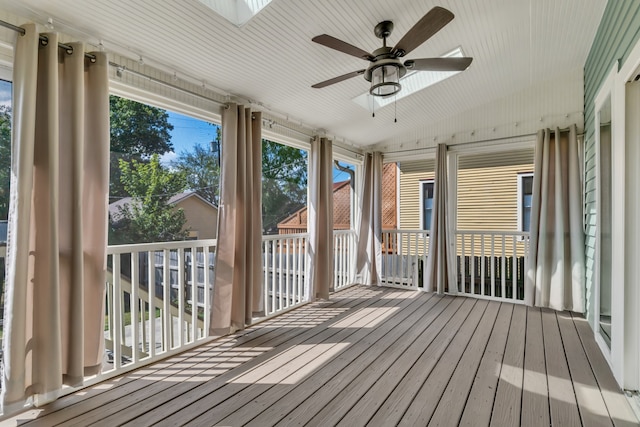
{"x": 265, "y": 275}
{"x": 181, "y": 303}
{"x": 166, "y": 303}
{"x": 133, "y": 306}
{"x": 151, "y": 265}
{"x": 493, "y": 266}
{"x": 207, "y": 291}
{"x": 288, "y": 281}
{"x": 296, "y": 273}
{"x": 514, "y": 272}
{"x": 117, "y": 313}
{"x": 337, "y": 261}
{"x": 482, "y": 266}
{"x": 503, "y": 263}
{"x": 463, "y": 261}
{"x": 195, "y": 291}
{"x": 272, "y": 291}
{"x": 472, "y": 265}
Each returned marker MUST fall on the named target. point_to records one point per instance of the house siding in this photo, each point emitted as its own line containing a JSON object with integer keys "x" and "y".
{"x": 411, "y": 174}
{"x": 202, "y": 218}
{"x": 487, "y": 190}
{"x": 618, "y": 32}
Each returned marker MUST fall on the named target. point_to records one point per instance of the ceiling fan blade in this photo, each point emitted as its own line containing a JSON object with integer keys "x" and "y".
{"x": 424, "y": 29}
{"x": 438, "y": 64}
{"x": 337, "y": 79}
{"x": 341, "y": 46}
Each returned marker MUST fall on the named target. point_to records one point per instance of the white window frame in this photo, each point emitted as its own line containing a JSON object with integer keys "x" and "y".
{"x": 521, "y": 177}
{"x": 421, "y": 192}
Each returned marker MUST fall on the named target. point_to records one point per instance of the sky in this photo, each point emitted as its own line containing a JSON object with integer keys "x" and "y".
{"x": 5, "y": 93}
{"x": 188, "y": 132}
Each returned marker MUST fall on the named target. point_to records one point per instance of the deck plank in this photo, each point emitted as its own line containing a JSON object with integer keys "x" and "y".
{"x": 394, "y": 406}
{"x": 377, "y": 394}
{"x": 562, "y": 399}
{"x": 215, "y": 407}
{"x": 454, "y": 398}
{"x": 593, "y": 410}
{"x": 619, "y": 410}
{"x": 295, "y": 412}
{"x": 185, "y": 394}
{"x": 157, "y": 386}
{"x": 377, "y": 380}
{"x": 535, "y": 391}
{"x": 374, "y": 356}
{"x": 507, "y": 404}
{"x": 477, "y": 411}
{"x": 472, "y": 336}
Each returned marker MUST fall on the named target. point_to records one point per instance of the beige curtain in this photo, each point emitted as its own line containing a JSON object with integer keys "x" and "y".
{"x": 440, "y": 268}
{"x": 237, "y": 291}
{"x": 321, "y": 218}
{"x": 369, "y": 252}
{"x": 555, "y": 274}
{"x": 56, "y": 249}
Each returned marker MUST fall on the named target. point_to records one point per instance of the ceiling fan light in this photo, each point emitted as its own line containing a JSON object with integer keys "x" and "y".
{"x": 385, "y": 80}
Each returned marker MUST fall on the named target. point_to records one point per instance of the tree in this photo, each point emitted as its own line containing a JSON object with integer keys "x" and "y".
{"x": 137, "y": 132}
{"x": 5, "y": 160}
{"x": 284, "y": 178}
{"x": 284, "y": 182}
{"x": 201, "y": 168}
{"x": 148, "y": 217}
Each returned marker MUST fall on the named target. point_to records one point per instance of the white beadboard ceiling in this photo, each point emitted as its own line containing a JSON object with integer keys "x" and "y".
{"x": 516, "y": 44}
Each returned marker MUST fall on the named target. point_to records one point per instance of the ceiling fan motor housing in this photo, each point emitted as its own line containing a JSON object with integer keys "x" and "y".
{"x": 384, "y": 73}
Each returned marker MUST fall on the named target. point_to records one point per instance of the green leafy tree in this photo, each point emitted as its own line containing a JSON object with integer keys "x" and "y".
{"x": 284, "y": 182}
{"x": 5, "y": 160}
{"x": 148, "y": 217}
{"x": 137, "y": 132}
{"x": 201, "y": 167}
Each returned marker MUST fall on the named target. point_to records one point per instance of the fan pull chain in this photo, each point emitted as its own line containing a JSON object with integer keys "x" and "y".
{"x": 395, "y": 109}
{"x": 373, "y": 107}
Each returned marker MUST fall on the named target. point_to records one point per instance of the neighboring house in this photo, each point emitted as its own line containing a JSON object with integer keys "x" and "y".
{"x": 201, "y": 215}
{"x": 297, "y": 222}
{"x": 494, "y": 192}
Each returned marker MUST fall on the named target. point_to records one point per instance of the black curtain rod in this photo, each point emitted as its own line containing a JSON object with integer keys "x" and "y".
{"x": 45, "y": 40}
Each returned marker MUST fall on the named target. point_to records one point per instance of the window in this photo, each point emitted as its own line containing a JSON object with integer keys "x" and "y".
{"x": 525, "y": 193}
{"x": 426, "y": 200}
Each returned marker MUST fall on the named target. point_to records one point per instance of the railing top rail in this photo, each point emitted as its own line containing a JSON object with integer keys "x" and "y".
{"x": 283, "y": 236}
{"x": 158, "y": 246}
{"x": 494, "y": 233}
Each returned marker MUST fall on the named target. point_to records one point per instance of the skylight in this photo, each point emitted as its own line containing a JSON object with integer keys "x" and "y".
{"x": 238, "y": 12}
{"x": 412, "y": 82}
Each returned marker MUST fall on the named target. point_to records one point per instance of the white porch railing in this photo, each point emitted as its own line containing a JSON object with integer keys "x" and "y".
{"x": 284, "y": 262}
{"x": 344, "y": 258}
{"x": 158, "y": 298}
{"x": 492, "y": 264}
{"x": 404, "y": 256}
{"x": 159, "y": 294}
{"x": 489, "y": 264}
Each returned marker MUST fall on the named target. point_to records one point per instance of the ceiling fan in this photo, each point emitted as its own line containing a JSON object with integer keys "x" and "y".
{"x": 386, "y": 68}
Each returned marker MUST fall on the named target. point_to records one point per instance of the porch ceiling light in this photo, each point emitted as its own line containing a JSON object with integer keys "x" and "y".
{"x": 238, "y": 12}
{"x": 385, "y": 78}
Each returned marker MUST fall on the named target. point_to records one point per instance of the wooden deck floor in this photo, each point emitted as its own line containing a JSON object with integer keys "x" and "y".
{"x": 371, "y": 356}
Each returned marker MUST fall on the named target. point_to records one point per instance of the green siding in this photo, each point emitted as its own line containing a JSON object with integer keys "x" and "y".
{"x": 617, "y": 34}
